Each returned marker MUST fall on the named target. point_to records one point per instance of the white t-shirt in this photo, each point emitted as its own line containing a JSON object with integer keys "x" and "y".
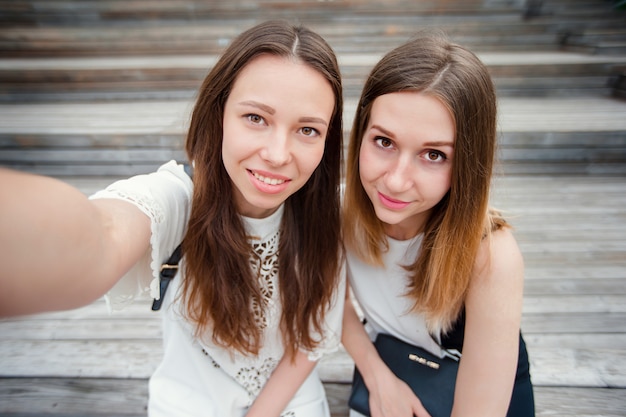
{"x": 380, "y": 292}
{"x": 196, "y": 377}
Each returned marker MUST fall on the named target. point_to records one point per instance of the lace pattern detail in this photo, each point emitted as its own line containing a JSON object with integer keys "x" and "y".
{"x": 254, "y": 378}
{"x": 215, "y": 364}
{"x": 264, "y": 263}
{"x": 250, "y": 375}
{"x": 148, "y": 205}
{"x": 117, "y": 300}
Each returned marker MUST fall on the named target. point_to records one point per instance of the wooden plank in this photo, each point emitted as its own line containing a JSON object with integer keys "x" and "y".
{"x": 594, "y": 304}
{"x": 78, "y": 156}
{"x": 538, "y": 284}
{"x": 74, "y": 396}
{"x": 600, "y": 341}
{"x": 112, "y": 170}
{"x": 91, "y": 329}
{"x": 86, "y": 140}
{"x": 580, "y": 360}
{"x": 89, "y": 156}
{"x": 578, "y": 367}
{"x": 113, "y": 398}
{"x": 351, "y": 63}
{"x": 575, "y": 323}
{"x": 570, "y": 168}
{"x": 590, "y": 154}
{"x": 579, "y": 402}
{"x": 80, "y": 358}
{"x": 545, "y": 309}
{"x": 561, "y": 278}
{"x": 516, "y": 115}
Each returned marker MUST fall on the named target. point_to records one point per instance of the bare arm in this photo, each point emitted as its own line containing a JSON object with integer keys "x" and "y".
{"x": 493, "y": 315}
{"x": 282, "y": 386}
{"x": 389, "y": 396}
{"x": 59, "y": 249}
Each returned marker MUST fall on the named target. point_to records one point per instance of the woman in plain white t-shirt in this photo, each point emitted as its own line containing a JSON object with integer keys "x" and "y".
{"x": 427, "y": 259}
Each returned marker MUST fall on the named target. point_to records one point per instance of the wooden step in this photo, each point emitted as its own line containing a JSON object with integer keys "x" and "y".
{"x": 30, "y": 397}
{"x": 538, "y": 135}
{"x": 110, "y": 11}
{"x": 346, "y": 35}
{"x": 179, "y": 76}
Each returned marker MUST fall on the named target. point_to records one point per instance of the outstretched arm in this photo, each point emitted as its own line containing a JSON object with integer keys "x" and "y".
{"x": 389, "y": 396}
{"x": 61, "y": 250}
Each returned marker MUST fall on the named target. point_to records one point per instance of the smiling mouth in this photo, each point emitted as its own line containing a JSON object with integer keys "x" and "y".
{"x": 392, "y": 203}
{"x": 267, "y": 180}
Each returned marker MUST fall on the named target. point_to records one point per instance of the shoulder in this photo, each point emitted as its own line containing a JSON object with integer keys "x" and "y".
{"x": 499, "y": 264}
{"x": 168, "y": 176}
{"x": 499, "y": 247}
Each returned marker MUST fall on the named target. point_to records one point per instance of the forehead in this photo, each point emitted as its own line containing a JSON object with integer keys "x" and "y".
{"x": 271, "y": 68}
{"x": 281, "y": 82}
{"x": 412, "y": 114}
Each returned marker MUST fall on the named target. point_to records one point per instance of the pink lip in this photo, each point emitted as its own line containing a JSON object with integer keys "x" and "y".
{"x": 391, "y": 203}
{"x": 264, "y": 187}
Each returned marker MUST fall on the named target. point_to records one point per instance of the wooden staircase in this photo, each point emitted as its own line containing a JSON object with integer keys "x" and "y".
{"x": 77, "y": 77}
{"x": 94, "y": 90}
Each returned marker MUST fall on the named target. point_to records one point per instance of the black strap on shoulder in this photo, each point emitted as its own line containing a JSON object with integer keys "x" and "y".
{"x": 169, "y": 268}
{"x": 188, "y": 169}
{"x": 168, "y": 271}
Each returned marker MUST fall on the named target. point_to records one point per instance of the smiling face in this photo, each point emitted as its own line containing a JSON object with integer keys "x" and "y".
{"x": 276, "y": 119}
{"x": 405, "y": 160}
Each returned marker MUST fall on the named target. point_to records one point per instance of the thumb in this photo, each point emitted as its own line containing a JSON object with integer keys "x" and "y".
{"x": 418, "y": 408}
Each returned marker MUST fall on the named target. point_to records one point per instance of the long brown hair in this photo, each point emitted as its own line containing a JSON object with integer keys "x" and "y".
{"x": 219, "y": 287}
{"x": 440, "y": 276}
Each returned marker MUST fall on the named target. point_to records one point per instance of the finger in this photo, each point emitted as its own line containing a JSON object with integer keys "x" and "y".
{"x": 418, "y": 409}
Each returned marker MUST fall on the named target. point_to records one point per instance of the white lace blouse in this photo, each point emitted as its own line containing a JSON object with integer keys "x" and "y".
{"x": 196, "y": 377}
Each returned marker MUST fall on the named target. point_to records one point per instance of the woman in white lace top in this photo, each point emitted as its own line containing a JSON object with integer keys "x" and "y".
{"x": 260, "y": 295}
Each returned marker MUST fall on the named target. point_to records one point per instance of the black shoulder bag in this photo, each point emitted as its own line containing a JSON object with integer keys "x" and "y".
{"x": 431, "y": 378}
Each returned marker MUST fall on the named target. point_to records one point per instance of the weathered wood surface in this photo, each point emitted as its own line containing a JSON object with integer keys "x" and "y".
{"x": 526, "y": 73}
{"x": 127, "y": 398}
{"x": 537, "y": 135}
{"x": 105, "y": 88}
{"x": 572, "y": 231}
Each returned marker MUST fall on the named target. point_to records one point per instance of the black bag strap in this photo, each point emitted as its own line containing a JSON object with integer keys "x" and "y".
{"x": 169, "y": 268}
{"x": 168, "y": 271}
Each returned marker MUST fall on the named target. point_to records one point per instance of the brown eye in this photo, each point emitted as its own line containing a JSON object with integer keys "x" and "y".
{"x": 383, "y": 142}
{"x": 435, "y": 156}
{"x": 255, "y": 118}
{"x": 309, "y": 131}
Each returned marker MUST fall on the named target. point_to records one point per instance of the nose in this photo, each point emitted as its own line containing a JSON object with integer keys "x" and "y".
{"x": 399, "y": 177}
{"x": 277, "y": 149}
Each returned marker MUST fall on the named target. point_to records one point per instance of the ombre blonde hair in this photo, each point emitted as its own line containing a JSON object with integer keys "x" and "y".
{"x": 440, "y": 276}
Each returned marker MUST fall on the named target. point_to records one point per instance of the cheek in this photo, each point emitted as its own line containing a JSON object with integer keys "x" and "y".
{"x": 234, "y": 143}
{"x": 369, "y": 165}
{"x": 311, "y": 158}
{"x": 435, "y": 185}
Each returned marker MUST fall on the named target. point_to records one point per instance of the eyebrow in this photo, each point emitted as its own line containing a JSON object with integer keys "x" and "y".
{"x": 258, "y": 105}
{"x": 272, "y": 111}
{"x": 429, "y": 143}
{"x": 313, "y": 120}
{"x": 384, "y": 131}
